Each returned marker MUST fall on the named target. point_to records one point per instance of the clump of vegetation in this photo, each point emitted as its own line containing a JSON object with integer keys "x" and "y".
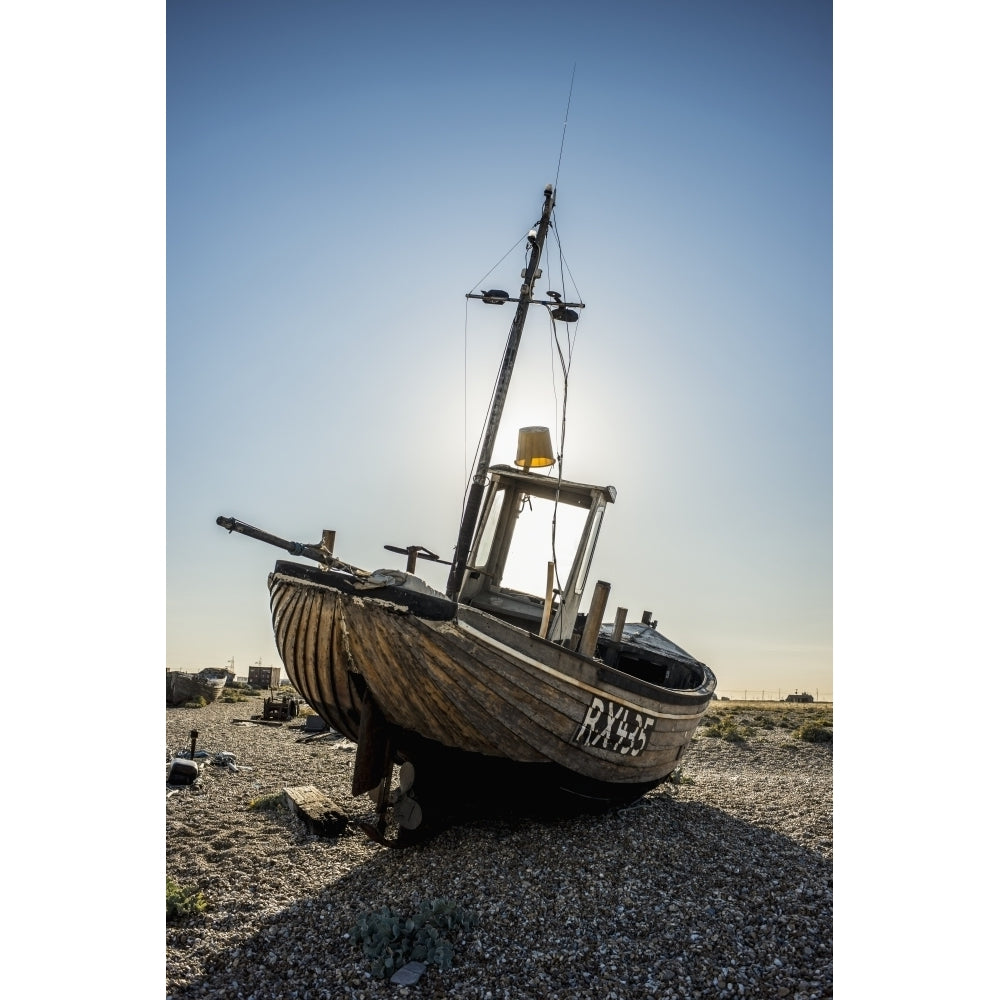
{"x": 727, "y": 729}
{"x": 182, "y": 902}
{"x": 732, "y": 733}
{"x": 678, "y": 777}
{"x": 389, "y": 940}
{"x": 814, "y": 732}
{"x": 196, "y": 702}
{"x": 738, "y": 722}
{"x": 232, "y": 696}
{"x": 269, "y": 803}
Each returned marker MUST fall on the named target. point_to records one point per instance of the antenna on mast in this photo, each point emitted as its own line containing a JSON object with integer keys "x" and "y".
{"x": 565, "y": 123}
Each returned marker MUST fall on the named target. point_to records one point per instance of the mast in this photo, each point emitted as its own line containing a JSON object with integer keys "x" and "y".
{"x": 475, "y": 497}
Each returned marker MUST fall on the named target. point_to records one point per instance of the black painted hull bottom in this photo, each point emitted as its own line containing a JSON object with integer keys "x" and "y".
{"x": 454, "y": 786}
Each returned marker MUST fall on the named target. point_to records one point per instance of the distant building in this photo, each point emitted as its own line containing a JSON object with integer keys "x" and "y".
{"x": 265, "y": 677}
{"x": 799, "y": 697}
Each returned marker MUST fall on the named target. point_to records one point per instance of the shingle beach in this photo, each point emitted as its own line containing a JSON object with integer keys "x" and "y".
{"x": 720, "y": 886}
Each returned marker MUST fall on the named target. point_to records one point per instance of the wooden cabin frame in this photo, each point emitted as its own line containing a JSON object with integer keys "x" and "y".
{"x": 481, "y": 587}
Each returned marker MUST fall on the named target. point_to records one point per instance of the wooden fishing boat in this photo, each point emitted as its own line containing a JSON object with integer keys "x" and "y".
{"x": 207, "y": 684}
{"x": 486, "y": 693}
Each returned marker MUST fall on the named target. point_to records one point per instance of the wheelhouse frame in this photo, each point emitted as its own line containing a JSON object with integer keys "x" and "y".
{"x": 481, "y": 585}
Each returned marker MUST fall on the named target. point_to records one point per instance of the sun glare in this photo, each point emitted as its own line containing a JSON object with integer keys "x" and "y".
{"x": 531, "y": 548}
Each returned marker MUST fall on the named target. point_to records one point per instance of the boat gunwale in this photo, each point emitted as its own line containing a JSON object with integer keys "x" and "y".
{"x": 579, "y": 683}
{"x": 610, "y": 676}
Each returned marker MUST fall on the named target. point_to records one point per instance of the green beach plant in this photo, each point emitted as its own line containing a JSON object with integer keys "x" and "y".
{"x": 390, "y": 939}
{"x": 814, "y": 732}
{"x": 727, "y": 729}
{"x": 678, "y": 777}
{"x": 269, "y": 803}
{"x": 737, "y": 722}
{"x": 183, "y": 902}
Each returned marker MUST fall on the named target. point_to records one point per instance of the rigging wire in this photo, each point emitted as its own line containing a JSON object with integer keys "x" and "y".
{"x": 497, "y": 264}
{"x": 465, "y": 409}
{"x": 563, "y": 265}
{"x": 561, "y": 448}
{"x": 565, "y": 364}
{"x": 565, "y": 358}
{"x": 468, "y": 471}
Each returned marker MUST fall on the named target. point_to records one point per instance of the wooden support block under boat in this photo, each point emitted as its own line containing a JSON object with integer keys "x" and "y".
{"x": 322, "y": 815}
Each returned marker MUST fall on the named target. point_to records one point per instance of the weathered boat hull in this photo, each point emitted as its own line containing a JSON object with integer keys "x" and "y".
{"x": 469, "y": 698}
{"x": 183, "y": 687}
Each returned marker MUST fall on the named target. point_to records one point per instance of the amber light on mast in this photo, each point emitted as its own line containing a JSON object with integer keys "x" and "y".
{"x": 534, "y": 448}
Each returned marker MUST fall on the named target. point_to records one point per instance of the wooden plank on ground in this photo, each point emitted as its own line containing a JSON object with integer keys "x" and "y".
{"x": 321, "y": 814}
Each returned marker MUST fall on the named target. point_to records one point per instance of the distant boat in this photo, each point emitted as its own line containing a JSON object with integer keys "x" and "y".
{"x": 184, "y": 687}
{"x": 486, "y": 692}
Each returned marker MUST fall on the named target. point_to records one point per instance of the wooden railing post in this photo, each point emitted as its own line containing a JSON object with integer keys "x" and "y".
{"x": 620, "y": 617}
{"x": 588, "y": 643}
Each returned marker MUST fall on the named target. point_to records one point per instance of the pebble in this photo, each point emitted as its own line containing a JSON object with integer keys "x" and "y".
{"x": 717, "y": 887}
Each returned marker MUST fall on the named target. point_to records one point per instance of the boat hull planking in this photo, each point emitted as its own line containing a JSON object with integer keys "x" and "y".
{"x": 476, "y": 699}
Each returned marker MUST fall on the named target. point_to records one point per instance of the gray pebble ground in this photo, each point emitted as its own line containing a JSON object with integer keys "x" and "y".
{"x": 720, "y": 886}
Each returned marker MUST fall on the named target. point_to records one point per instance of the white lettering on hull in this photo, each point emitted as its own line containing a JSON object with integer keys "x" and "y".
{"x": 614, "y": 727}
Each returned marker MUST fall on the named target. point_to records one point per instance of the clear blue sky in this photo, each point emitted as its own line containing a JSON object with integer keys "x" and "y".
{"x": 339, "y": 176}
